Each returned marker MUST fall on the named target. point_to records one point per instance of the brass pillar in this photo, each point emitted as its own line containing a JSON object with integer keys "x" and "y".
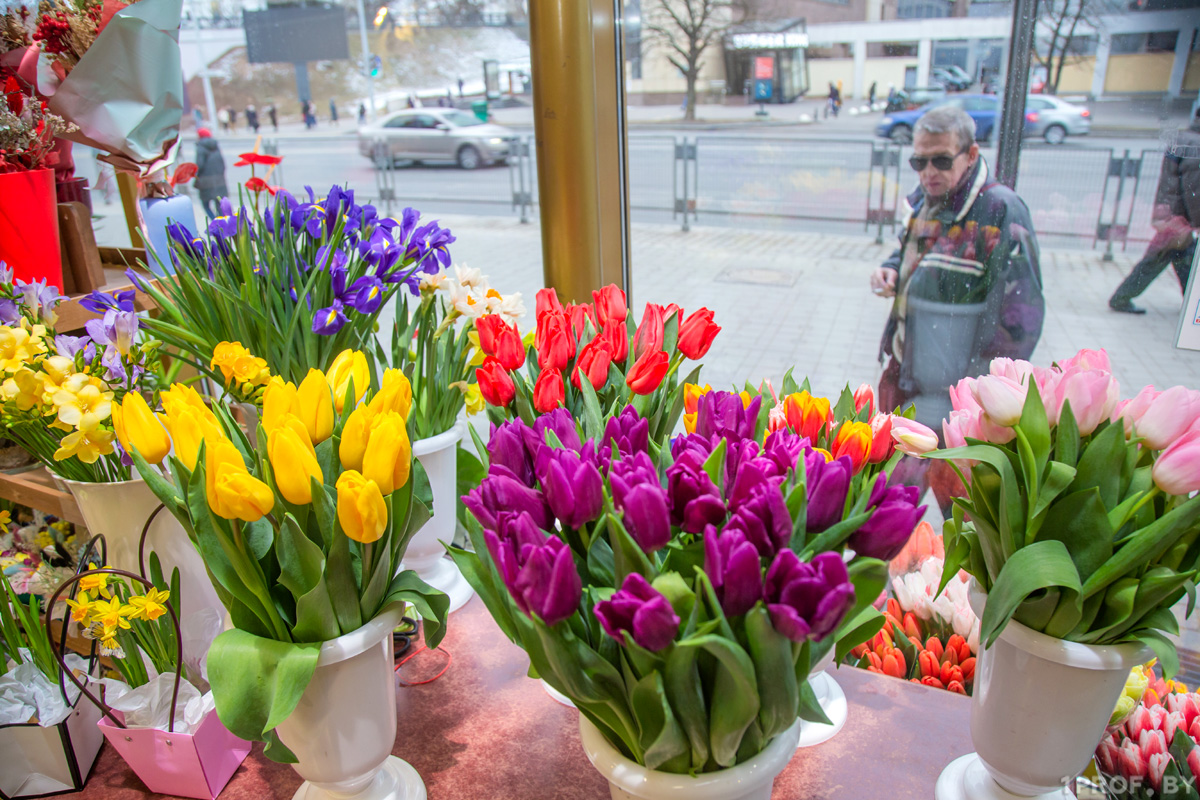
{"x": 579, "y": 123}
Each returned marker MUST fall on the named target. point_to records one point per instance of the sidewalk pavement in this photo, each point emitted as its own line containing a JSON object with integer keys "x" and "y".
{"x": 802, "y": 299}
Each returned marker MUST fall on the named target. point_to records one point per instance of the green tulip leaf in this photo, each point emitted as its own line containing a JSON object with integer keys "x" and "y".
{"x": 257, "y": 682}
{"x": 316, "y": 620}
{"x": 1164, "y": 650}
{"x": 1035, "y": 428}
{"x": 856, "y": 630}
{"x": 301, "y": 563}
{"x": 432, "y": 605}
{"x": 662, "y": 740}
{"x": 343, "y": 590}
{"x": 810, "y": 707}
{"x": 1066, "y": 437}
{"x": 735, "y": 695}
{"x": 681, "y": 682}
{"x": 324, "y": 506}
{"x": 774, "y": 670}
{"x": 1096, "y": 465}
{"x": 1145, "y": 546}
{"x": 1041, "y": 565}
{"x": 593, "y": 419}
{"x": 1080, "y": 521}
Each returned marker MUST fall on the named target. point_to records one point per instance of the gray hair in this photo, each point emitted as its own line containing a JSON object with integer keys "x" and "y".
{"x": 948, "y": 119}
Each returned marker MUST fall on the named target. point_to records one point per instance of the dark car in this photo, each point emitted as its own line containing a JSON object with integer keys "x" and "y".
{"x": 983, "y": 108}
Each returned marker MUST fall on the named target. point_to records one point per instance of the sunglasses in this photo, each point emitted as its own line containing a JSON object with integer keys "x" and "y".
{"x": 942, "y": 163}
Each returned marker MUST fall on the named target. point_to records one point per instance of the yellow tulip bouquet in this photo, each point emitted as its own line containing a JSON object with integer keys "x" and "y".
{"x": 57, "y": 391}
{"x": 302, "y": 535}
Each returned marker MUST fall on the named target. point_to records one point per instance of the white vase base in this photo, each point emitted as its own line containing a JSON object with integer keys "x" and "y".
{"x": 445, "y": 576}
{"x": 966, "y": 778}
{"x": 395, "y": 780}
{"x": 556, "y": 695}
{"x": 833, "y": 703}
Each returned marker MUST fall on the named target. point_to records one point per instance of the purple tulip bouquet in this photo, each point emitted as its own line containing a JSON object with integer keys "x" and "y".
{"x": 675, "y": 590}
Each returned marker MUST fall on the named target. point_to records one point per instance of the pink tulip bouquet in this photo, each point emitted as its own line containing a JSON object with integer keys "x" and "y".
{"x": 1078, "y": 521}
{"x": 677, "y": 590}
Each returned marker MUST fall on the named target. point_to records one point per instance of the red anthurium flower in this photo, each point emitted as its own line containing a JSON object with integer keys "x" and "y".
{"x": 696, "y": 334}
{"x": 594, "y": 360}
{"x": 549, "y": 391}
{"x": 259, "y": 185}
{"x": 183, "y": 173}
{"x": 648, "y": 372}
{"x": 495, "y": 384}
{"x": 256, "y": 159}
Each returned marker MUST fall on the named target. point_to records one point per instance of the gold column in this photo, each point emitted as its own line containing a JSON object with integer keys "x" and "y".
{"x": 579, "y": 125}
{"x": 128, "y": 187}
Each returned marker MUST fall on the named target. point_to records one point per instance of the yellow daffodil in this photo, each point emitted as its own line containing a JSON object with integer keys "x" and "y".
{"x": 139, "y": 428}
{"x": 474, "y": 400}
{"x": 111, "y": 614}
{"x": 87, "y": 443}
{"x": 20, "y": 345}
{"x": 95, "y": 584}
{"x": 81, "y": 607}
{"x": 5, "y": 519}
{"x": 388, "y": 457}
{"x": 316, "y": 406}
{"x": 360, "y": 507}
{"x": 150, "y": 606}
{"x": 349, "y": 367}
{"x": 355, "y": 435}
{"x": 25, "y": 389}
{"x": 233, "y": 493}
{"x": 294, "y": 463}
{"x": 477, "y": 354}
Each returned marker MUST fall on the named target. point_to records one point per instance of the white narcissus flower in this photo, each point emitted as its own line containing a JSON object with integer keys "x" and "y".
{"x": 433, "y": 283}
{"x": 472, "y": 278}
{"x": 467, "y": 301}
{"x": 512, "y": 308}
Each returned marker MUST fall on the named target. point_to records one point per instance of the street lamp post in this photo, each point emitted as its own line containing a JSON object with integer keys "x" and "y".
{"x": 366, "y": 61}
{"x": 205, "y": 80}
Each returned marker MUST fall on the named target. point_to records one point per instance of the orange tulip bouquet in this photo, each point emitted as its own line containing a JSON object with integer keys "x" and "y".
{"x": 592, "y": 359}
{"x": 302, "y": 535}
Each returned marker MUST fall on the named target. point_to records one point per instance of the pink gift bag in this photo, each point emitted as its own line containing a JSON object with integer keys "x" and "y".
{"x": 197, "y": 764}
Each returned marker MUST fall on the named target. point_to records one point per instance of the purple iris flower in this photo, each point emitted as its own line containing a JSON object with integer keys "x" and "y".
{"x": 136, "y": 279}
{"x": 437, "y": 249}
{"x": 222, "y": 228}
{"x": 808, "y": 601}
{"x": 639, "y": 496}
{"x": 722, "y": 414}
{"x": 501, "y": 491}
{"x": 97, "y": 302}
{"x": 573, "y": 487}
{"x": 366, "y": 294}
{"x": 182, "y": 240}
{"x": 332, "y": 259}
{"x": 733, "y": 566}
{"x": 826, "y": 485}
{"x": 895, "y": 515}
{"x": 538, "y": 570}
{"x": 408, "y": 223}
{"x": 695, "y": 501}
{"x": 640, "y": 611}
{"x": 329, "y": 320}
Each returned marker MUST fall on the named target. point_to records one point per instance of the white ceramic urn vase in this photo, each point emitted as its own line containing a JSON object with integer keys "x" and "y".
{"x": 119, "y": 510}
{"x": 628, "y": 780}
{"x": 344, "y": 727}
{"x": 833, "y": 703}
{"x": 1039, "y": 709}
{"x": 425, "y": 554}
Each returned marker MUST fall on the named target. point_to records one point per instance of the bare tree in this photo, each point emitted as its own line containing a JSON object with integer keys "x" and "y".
{"x": 686, "y": 29}
{"x": 1059, "y": 24}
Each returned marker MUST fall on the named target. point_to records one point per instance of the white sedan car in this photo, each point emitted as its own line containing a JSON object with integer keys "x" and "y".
{"x": 436, "y": 134}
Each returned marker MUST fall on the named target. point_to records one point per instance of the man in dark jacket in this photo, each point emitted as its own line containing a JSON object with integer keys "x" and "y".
{"x": 210, "y": 173}
{"x": 965, "y": 279}
{"x": 1176, "y": 218}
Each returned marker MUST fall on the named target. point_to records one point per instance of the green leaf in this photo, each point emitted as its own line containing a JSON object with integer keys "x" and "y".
{"x": 1036, "y": 428}
{"x": 1080, "y": 522}
{"x": 343, "y": 591}
{"x": 1164, "y": 650}
{"x": 256, "y": 682}
{"x": 735, "y": 695}
{"x": 593, "y": 418}
{"x": 714, "y": 465}
{"x": 775, "y": 672}
{"x": 301, "y": 563}
{"x": 1145, "y": 546}
{"x": 682, "y": 684}
{"x": 432, "y": 605}
{"x": 659, "y": 734}
{"x": 1041, "y": 565}
{"x": 1100, "y": 465}
{"x": 810, "y": 707}
{"x": 316, "y": 620}
{"x": 1066, "y": 437}
{"x": 856, "y": 630}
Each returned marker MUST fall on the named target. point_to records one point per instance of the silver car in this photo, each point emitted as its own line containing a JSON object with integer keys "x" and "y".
{"x": 436, "y": 134}
{"x": 1054, "y": 119}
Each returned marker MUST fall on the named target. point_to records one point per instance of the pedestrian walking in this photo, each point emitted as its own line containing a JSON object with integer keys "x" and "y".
{"x": 460, "y": 88}
{"x": 1176, "y": 218}
{"x": 835, "y": 101}
{"x": 232, "y": 119}
{"x": 273, "y": 115}
{"x": 362, "y": 113}
{"x": 871, "y": 95}
{"x": 333, "y": 118}
{"x": 449, "y": 99}
{"x": 223, "y": 119}
{"x": 252, "y": 118}
{"x": 966, "y": 282}
{"x": 210, "y": 173}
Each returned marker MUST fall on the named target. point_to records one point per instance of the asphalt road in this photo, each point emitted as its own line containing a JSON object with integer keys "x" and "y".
{"x": 782, "y": 178}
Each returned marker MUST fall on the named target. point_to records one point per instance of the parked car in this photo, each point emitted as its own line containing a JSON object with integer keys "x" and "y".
{"x": 434, "y": 134}
{"x": 983, "y": 108}
{"x": 1054, "y": 119}
{"x": 944, "y": 77}
{"x": 961, "y": 74}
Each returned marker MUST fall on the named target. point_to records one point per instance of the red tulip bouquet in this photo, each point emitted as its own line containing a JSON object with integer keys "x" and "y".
{"x": 902, "y": 649}
{"x": 1153, "y": 749}
{"x": 677, "y": 589}
{"x": 1079, "y": 522}
{"x": 591, "y": 359}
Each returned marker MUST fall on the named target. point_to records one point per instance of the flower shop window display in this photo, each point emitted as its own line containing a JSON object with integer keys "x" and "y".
{"x": 48, "y": 735}
{"x": 1079, "y": 529}
{"x": 674, "y": 591}
{"x": 161, "y": 723}
{"x": 303, "y": 536}
{"x": 444, "y": 328}
{"x": 29, "y": 240}
{"x": 296, "y": 284}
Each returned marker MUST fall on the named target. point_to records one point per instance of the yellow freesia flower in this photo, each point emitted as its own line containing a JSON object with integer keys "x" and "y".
{"x": 239, "y": 364}
{"x": 80, "y": 397}
{"x": 20, "y": 345}
{"x": 150, "y": 606}
{"x": 55, "y": 371}
{"x": 25, "y": 389}
{"x": 87, "y": 443}
{"x": 361, "y": 508}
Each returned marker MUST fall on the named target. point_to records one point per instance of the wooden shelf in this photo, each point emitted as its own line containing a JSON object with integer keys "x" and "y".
{"x": 37, "y": 489}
